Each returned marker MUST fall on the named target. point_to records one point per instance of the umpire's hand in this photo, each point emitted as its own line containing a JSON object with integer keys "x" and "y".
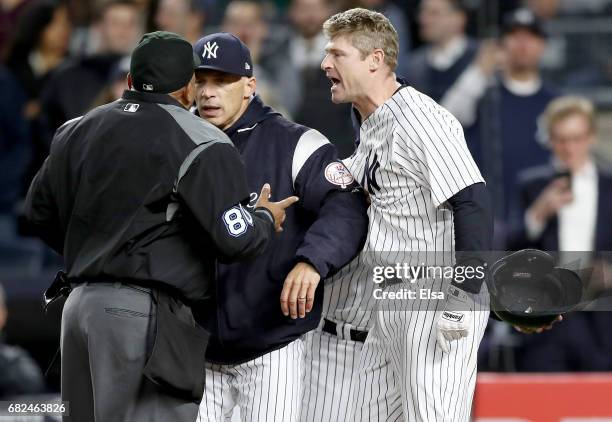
{"x": 298, "y": 292}
{"x": 276, "y": 208}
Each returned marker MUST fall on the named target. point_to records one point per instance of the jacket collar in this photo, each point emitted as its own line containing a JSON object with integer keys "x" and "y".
{"x": 255, "y": 113}
{"x": 149, "y": 97}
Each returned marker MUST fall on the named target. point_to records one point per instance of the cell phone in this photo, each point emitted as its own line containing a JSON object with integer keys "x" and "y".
{"x": 564, "y": 174}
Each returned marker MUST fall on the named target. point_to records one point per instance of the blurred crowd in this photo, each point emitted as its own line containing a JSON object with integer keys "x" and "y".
{"x": 526, "y": 79}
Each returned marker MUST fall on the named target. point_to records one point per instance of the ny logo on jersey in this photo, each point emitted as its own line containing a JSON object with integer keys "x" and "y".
{"x": 210, "y": 50}
{"x": 369, "y": 175}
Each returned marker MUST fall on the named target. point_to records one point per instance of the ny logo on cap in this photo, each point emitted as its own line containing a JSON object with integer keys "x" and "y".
{"x": 210, "y": 50}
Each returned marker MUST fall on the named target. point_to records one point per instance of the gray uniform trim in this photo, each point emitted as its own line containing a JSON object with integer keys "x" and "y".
{"x": 202, "y": 133}
{"x": 198, "y": 129}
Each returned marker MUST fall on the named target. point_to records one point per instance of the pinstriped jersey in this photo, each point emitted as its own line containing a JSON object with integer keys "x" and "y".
{"x": 411, "y": 158}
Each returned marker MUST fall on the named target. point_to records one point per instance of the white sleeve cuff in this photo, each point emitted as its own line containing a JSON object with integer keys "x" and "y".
{"x": 533, "y": 227}
{"x": 462, "y": 98}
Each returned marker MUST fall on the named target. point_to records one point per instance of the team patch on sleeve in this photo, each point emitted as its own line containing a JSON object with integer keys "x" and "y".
{"x": 338, "y": 174}
{"x": 237, "y": 220}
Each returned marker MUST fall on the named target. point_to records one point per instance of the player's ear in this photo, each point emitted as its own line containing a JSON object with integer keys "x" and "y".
{"x": 250, "y": 87}
{"x": 377, "y": 59}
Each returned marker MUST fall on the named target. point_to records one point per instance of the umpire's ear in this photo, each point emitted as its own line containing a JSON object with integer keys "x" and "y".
{"x": 129, "y": 81}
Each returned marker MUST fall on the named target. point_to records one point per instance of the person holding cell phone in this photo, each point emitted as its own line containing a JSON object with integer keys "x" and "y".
{"x": 564, "y": 204}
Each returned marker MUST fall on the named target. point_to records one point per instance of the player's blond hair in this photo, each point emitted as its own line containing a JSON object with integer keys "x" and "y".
{"x": 366, "y": 30}
{"x": 563, "y": 107}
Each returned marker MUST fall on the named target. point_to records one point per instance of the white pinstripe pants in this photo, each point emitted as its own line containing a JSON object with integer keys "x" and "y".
{"x": 266, "y": 389}
{"x": 404, "y": 375}
{"x": 331, "y": 363}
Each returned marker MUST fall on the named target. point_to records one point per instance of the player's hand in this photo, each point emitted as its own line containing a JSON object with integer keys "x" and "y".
{"x": 538, "y": 330}
{"x": 455, "y": 321}
{"x": 276, "y": 208}
{"x": 298, "y": 292}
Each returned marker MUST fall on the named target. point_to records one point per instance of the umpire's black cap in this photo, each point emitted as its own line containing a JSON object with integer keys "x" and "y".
{"x": 224, "y": 52}
{"x": 162, "y": 62}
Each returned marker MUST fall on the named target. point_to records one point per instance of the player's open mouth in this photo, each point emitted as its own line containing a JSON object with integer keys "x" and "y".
{"x": 335, "y": 82}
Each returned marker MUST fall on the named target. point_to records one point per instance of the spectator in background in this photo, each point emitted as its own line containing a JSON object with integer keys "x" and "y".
{"x": 306, "y": 52}
{"x": 549, "y": 9}
{"x": 500, "y": 110}
{"x": 566, "y": 205}
{"x": 73, "y": 88}
{"x": 183, "y": 17}
{"x": 15, "y": 151}
{"x": 19, "y": 374}
{"x": 397, "y": 17}
{"x": 447, "y": 52}
{"x": 9, "y": 14}
{"x": 568, "y": 212}
{"x": 278, "y": 81}
{"x": 307, "y": 43}
{"x": 38, "y": 47}
{"x": 117, "y": 83}
{"x": 544, "y": 9}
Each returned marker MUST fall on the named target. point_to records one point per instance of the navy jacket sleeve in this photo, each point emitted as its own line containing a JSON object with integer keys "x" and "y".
{"x": 214, "y": 188}
{"x": 473, "y": 221}
{"x": 327, "y": 189}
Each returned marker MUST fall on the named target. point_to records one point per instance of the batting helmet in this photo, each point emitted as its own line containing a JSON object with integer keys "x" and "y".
{"x": 528, "y": 290}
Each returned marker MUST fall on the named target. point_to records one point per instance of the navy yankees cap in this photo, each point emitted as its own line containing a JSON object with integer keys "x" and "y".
{"x": 523, "y": 19}
{"x": 224, "y": 52}
{"x": 162, "y": 62}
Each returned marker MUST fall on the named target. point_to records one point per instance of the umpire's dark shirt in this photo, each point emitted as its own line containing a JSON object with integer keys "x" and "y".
{"x": 140, "y": 189}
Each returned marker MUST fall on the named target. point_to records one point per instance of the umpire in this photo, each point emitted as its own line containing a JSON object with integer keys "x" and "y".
{"x": 141, "y": 198}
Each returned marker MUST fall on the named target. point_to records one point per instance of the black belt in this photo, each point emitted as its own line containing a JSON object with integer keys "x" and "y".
{"x": 332, "y": 328}
{"x": 137, "y": 286}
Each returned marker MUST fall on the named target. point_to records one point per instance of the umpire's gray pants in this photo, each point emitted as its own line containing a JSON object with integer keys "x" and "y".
{"x": 107, "y": 330}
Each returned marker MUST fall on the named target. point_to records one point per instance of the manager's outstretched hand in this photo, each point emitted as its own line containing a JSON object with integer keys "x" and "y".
{"x": 276, "y": 208}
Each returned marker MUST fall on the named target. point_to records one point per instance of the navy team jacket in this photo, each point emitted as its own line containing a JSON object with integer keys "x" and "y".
{"x": 326, "y": 228}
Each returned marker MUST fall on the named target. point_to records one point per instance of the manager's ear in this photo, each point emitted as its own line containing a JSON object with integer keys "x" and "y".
{"x": 129, "y": 81}
{"x": 250, "y": 87}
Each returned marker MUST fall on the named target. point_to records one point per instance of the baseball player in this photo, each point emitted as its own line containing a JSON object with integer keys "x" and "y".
{"x": 418, "y": 360}
{"x": 256, "y": 348}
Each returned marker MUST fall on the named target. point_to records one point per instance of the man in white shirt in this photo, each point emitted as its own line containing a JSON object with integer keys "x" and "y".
{"x": 567, "y": 193}
{"x": 566, "y": 207}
